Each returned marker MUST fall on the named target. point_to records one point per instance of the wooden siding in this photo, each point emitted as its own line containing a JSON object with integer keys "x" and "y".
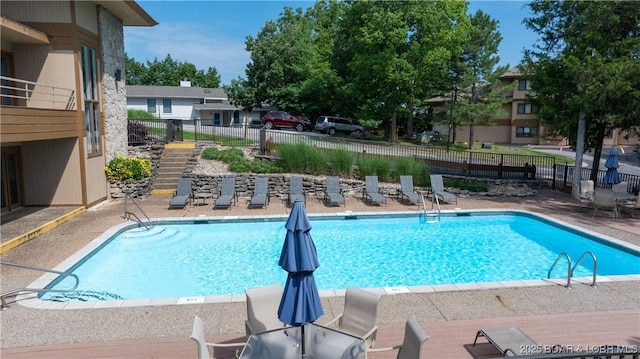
{"x": 86, "y": 15}
{"x": 24, "y": 124}
{"x": 45, "y": 66}
{"x": 38, "y": 11}
{"x": 52, "y": 172}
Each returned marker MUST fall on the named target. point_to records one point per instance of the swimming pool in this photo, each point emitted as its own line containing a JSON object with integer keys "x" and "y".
{"x": 224, "y": 256}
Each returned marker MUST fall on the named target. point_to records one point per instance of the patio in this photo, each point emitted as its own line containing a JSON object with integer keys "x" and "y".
{"x": 550, "y": 314}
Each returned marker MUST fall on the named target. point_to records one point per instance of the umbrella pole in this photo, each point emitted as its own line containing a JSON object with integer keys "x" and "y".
{"x": 302, "y": 339}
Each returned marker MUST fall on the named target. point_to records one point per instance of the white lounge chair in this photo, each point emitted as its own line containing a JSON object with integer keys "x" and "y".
{"x": 437, "y": 189}
{"x": 197, "y": 335}
{"x": 359, "y": 315}
{"x": 604, "y": 199}
{"x": 411, "y": 347}
{"x": 262, "y": 309}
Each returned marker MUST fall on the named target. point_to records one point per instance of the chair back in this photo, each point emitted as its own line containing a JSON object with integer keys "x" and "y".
{"x": 184, "y": 186}
{"x": 620, "y": 187}
{"x": 295, "y": 185}
{"x": 197, "y": 334}
{"x": 360, "y": 311}
{"x": 586, "y": 189}
{"x": 406, "y": 184}
{"x": 228, "y": 186}
{"x": 414, "y": 337}
{"x": 261, "y": 185}
{"x": 437, "y": 185}
{"x": 371, "y": 183}
{"x": 333, "y": 184}
{"x": 603, "y": 198}
{"x": 262, "y": 308}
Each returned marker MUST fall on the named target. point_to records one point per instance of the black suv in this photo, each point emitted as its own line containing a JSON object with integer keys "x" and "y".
{"x": 333, "y": 125}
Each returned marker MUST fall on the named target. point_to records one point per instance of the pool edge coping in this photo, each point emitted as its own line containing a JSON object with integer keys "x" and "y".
{"x": 31, "y": 300}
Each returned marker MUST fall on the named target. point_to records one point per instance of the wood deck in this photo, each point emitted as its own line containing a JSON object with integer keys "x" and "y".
{"x": 449, "y": 339}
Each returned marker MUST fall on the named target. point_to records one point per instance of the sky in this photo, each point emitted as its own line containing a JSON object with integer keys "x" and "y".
{"x": 212, "y": 33}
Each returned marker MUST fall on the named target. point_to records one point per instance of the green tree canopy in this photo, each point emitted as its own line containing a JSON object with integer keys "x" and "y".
{"x": 168, "y": 73}
{"x": 586, "y": 63}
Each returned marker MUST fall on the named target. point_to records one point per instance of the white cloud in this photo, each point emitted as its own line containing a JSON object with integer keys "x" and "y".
{"x": 192, "y": 43}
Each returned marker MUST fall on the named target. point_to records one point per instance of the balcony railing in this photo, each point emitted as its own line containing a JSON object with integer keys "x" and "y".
{"x": 22, "y": 93}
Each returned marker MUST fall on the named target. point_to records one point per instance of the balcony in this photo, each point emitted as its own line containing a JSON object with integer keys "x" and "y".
{"x": 36, "y": 111}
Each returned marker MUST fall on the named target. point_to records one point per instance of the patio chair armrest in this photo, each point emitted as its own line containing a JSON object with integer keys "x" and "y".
{"x": 335, "y": 321}
{"x": 225, "y": 345}
{"x": 371, "y": 334}
{"x": 376, "y": 350}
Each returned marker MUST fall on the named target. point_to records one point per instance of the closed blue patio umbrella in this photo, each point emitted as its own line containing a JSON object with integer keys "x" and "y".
{"x": 300, "y": 302}
{"x": 612, "y": 176}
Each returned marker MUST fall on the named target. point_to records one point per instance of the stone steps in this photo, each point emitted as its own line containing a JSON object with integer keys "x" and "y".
{"x": 173, "y": 162}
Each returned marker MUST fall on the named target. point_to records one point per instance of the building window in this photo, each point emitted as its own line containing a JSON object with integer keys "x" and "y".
{"x": 166, "y": 105}
{"x": 524, "y": 85}
{"x": 151, "y": 105}
{"x": 527, "y": 108}
{"x": 89, "y": 66}
{"x": 526, "y": 131}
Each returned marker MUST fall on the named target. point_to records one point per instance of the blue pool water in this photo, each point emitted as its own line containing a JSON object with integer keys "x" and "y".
{"x": 183, "y": 260}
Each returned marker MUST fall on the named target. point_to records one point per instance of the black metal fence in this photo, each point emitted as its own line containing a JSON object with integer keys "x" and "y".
{"x": 463, "y": 163}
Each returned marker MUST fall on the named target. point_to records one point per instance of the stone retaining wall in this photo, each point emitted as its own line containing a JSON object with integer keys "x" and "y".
{"x": 313, "y": 185}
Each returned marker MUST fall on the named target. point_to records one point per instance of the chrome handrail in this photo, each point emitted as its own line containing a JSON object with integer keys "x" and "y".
{"x": 127, "y": 214}
{"x": 563, "y": 254}
{"x": 595, "y": 265}
{"x": 35, "y": 290}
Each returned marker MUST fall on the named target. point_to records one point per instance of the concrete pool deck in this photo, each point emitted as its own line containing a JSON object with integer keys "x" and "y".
{"x": 30, "y": 328}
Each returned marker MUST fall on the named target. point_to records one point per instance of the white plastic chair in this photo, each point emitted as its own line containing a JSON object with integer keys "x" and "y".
{"x": 197, "y": 335}
{"x": 411, "y": 347}
{"x": 262, "y": 309}
{"x": 359, "y": 315}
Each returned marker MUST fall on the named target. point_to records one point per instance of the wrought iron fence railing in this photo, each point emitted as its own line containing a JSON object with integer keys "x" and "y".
{"x": 463, "y": 163}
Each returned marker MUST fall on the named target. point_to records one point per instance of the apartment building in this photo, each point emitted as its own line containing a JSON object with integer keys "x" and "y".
{"x": 63, "y": 111}
{"x": 519, "y": 125}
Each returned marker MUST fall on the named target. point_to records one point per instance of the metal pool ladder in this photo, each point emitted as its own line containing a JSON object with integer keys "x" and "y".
{"x": 434, "y": 214}
{"x": 571, "y": 268}
{"x": 128, "y": 215}
{"x": 13, "y": 292}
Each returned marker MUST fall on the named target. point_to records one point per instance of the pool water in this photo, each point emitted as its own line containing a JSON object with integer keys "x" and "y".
{"x": 183, "y": 260}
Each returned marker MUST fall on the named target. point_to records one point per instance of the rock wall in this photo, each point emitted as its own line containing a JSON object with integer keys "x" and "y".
{"x": 142, "y": 188}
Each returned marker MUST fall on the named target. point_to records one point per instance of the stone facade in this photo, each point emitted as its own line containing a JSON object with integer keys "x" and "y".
{"x": 114, "y": 95}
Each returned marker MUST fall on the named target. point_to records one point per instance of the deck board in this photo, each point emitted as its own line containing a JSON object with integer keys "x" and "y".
{"x": 449, "y": 339}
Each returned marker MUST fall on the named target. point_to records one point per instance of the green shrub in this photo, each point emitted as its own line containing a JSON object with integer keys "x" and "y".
{"x": 421, "y": 172}
{"x": 125, "y": 169}
{"x": 301, "y": 158}
{"x": 469, "y": 186}
{"x": 375, "y": 166}
{"x": 340, "y": 162}
{"x": 234, "y": 157}
{"x": 140, "y": 115}
{"x": 404, "y": 166}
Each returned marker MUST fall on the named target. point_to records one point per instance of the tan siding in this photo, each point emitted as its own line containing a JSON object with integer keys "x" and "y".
{"x": 49, "y": 68}
{"x": 52, "y": 172}
{"x": 495, "y": 134}
{"x": 87, "y": 16}
{"x": 96, "y": 179}
{"x": 23, "y": 124}
{"x": 37, "y": 11}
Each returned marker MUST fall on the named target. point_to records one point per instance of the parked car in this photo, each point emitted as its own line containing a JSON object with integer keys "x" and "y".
{"x": 281, "y": 119}
{"x": 333, "y": 125}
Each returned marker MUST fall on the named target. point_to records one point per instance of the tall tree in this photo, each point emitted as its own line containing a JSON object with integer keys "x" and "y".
{"x": 398, "y": 52}
{"x": 168, "y": 73}
{"x": 477, "y": 77}
{"x": 586, "y": 66}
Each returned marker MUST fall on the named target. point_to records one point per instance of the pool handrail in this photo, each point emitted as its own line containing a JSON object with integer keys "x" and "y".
{"x": 3, "y": 296}
{"x": 563, "y": 254}
{"x": 595, "y": 265}
{"x": 127, "y": 214}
